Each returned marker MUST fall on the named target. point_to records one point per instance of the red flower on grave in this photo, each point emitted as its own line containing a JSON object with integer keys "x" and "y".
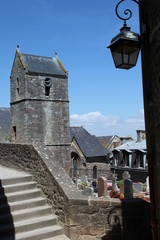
{"x": 114, "y": 194}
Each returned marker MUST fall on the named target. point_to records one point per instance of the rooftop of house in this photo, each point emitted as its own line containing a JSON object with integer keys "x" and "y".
{"x": 105, "y": 140}
{"x": 88, "y": 143}
{"x": 132, "y": 146}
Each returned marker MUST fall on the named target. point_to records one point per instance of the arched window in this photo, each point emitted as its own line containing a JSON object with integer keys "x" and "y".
{"x": 75, "y": 164}
{"x": 74, "y": 167}
{"x": 47, "y": 84}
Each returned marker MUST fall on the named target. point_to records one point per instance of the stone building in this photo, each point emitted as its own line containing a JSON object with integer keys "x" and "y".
{"x": 113, "y": 141}
{"x": 40, "y": 105}
{"x": 131, "y": 157}
{"x": 110, "y": 142}
{"x": 88, "y": 156}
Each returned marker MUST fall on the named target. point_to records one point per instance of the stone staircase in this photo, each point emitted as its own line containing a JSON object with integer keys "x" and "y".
{"x": 24, "y": 214}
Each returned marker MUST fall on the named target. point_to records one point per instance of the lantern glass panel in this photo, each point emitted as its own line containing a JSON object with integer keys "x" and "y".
{"x": 133, "y": 57}
{"x": 125, "y": 54}
{"x": 117, "y": 54}
{"x": 117, "y": 57}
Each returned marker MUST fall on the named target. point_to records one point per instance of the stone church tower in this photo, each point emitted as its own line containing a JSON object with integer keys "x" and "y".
{"x": 39, "y": 104}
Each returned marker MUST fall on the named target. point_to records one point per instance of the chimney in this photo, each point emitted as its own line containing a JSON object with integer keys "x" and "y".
{"x": 141, "y": 135}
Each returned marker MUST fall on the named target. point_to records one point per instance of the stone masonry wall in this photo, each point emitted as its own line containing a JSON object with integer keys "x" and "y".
{"x": 83, "y": 218}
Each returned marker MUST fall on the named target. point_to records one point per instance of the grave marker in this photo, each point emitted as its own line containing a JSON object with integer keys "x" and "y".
{"x": 88, "y": 191}
{"x": 114, "y": 184}
{"x": 84, "y": 179}
{"x": 138, "y": 187}
{"x": 102, "y": 187}
{"x": 147, "y": 188}
{"x": 128, "y": 189}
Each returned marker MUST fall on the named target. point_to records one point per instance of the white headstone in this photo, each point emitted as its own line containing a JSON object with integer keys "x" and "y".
{"x": 138, "y": 187}
{"x": 147, "y": 188}
{"x": 88, "y": 191}
{"x": 84, "y": 179}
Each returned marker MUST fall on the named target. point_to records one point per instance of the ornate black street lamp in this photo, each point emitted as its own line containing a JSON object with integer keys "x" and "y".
{"x": 125, "y": 48}
{"x": 126, "y": 45}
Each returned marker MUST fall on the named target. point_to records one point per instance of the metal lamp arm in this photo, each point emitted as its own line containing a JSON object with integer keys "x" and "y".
{"x": 126, "y": 11}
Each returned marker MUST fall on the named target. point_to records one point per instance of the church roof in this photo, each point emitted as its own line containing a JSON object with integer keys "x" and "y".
{"x": 88, "y": 143}
{"x": 43, "y": 65}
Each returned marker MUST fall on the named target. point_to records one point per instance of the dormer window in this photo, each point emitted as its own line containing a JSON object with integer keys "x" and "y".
{"x": 47, "y": 84}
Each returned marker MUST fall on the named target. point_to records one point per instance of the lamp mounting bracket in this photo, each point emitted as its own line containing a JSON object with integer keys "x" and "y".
{"x": 127, "y": 11}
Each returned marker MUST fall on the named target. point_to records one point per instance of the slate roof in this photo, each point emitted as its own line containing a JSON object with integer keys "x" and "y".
{"x": 105, "y": 140}
{"x": 88, "y": 143}
{"x": 42, "y": 65}
{"x": 132, "y": 146}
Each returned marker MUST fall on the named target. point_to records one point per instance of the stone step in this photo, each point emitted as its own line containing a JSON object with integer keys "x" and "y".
{"x": 28, "y": 225}
{"x": 25, "y": 214}
{"x": 15, "y": 180}
{"x": 17, "y": 187}
{"x": 31, "y": 212}
{"x": 24, "y": 204}
{"x": 21, "y": 195}
{"x": 60, "y": 237}
{"x": 41, "y": 233}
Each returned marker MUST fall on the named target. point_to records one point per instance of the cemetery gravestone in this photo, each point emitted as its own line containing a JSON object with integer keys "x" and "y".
{"x": 94, "y": 185}
{"x": 147, "y": 188}
{"x": 138, "y": 187}
{"x": 128, "y": 189}
{"x": 102, "y": 186}
{"x": 84, "y": 179}
{"x": 88, "y": 191}
{"x": 125, "y": 175}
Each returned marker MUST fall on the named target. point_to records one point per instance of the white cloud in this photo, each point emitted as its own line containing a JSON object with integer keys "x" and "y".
{"x": 139, "y": 119}
{"x": 100, "y": 125}
{"x": 93, "y": 118}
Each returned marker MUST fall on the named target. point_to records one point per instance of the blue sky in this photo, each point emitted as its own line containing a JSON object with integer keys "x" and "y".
{"x": 103, "y": 99}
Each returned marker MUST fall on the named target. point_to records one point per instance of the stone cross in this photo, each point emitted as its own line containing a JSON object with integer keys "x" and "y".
{"x": 114, "y": 184}
{"x": 102, "y": 187}
{"x": 126, "y": 175}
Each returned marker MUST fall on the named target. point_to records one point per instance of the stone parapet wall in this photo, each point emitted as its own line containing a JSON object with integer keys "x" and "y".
{"x": 83, "y": 218}
{"x": 93, "y": 218}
